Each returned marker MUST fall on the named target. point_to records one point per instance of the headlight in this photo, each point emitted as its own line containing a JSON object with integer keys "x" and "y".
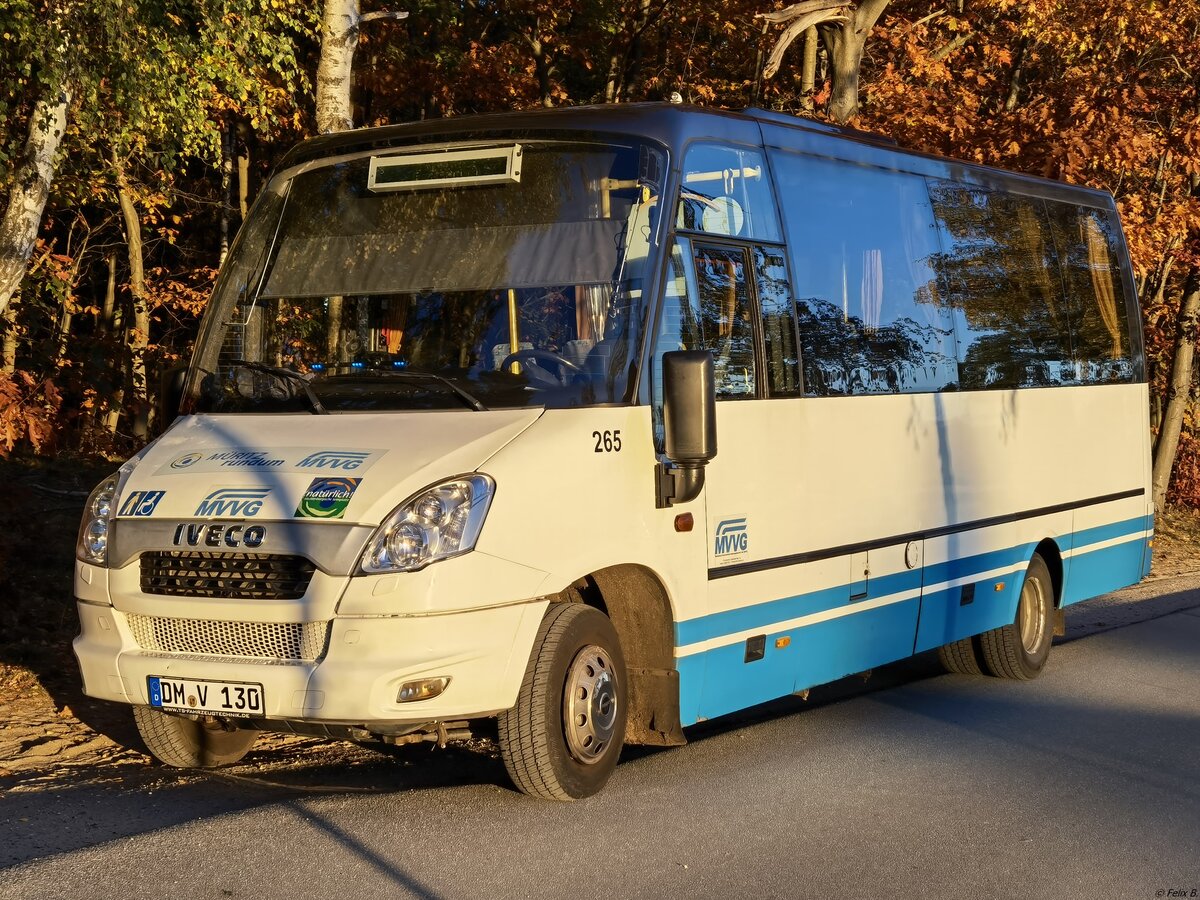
{"x": 96, "y": 527}
{"x": 440, "y": 522}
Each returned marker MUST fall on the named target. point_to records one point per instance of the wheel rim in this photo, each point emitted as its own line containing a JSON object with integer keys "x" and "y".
{"x": 1032, "y": 615}
{"x": 590, "y": 704}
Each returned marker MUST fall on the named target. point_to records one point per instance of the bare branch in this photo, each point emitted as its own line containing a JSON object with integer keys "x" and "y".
{"x": 928, "y": 18}
{"x": 800, "y": 9}
{"x": 372, "y": 16}
{"x": 794, "y": 31}
{"x": 957, "y": 44}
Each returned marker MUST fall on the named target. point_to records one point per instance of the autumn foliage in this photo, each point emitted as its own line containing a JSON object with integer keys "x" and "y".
{"x": 1104, "y": 93}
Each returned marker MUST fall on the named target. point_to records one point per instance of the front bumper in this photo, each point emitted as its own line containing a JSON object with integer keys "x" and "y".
{"x": 484, "y": 652}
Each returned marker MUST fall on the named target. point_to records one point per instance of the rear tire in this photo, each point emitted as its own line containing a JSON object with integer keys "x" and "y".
{"x": 563, "y": 738}
{"x": 960, "y": 657}
{"x": 190, "y": 743}
{"x": 1020, "y": 650}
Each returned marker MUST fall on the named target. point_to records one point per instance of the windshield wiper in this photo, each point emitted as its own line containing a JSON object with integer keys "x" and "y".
{"x": 469, "y": 399}
{"x": 288, "y": 375}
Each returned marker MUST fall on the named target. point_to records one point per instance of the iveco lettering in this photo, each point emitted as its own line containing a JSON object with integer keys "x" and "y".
{"x": 575, "y": 428}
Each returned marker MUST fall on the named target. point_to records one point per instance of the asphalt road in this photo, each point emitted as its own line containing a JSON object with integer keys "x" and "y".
{"x": 1083, "y": 783}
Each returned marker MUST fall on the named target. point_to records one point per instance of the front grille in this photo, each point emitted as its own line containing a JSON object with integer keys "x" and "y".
{"x": 232, "y": 576}
{"x": 265, "y": 641}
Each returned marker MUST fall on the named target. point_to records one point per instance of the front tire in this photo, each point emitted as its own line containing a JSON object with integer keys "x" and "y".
{"x": 190, "y": 743}
{"x": 1020, "y": 650}
{"x": 563, "y": 738}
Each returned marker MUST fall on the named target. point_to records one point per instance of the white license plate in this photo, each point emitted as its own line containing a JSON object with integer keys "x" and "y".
{"x": 222, "y": 698}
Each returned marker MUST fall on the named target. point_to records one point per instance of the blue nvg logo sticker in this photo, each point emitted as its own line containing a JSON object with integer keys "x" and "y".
{"x": 233, "y": 502}
{"x": 141, "y": 503}
{"x": 732, "y": 537}
{"x": 327, "y": 498}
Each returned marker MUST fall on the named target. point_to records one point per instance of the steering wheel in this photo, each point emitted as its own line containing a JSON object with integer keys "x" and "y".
{"x": 534, "y": 363}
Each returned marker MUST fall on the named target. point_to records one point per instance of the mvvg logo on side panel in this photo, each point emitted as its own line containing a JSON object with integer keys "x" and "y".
{"x": 732, "y": 537}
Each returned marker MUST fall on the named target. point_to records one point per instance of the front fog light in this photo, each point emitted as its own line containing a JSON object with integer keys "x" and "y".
{"x": 424, "y": 689}
{"x": 440, "y": 522}
{"x": 96, "y": 527}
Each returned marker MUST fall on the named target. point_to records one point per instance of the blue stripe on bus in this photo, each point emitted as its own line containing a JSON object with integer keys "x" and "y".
{"x": 772, "y": 612}
{"x": 765, "y": 615}
{"x": 1096, "y": 572}
{"x": 1108, "y": 532}
{"x": 719, "y": 681}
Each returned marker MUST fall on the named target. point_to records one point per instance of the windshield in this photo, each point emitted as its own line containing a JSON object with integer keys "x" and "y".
{"x": 474, "y": 276}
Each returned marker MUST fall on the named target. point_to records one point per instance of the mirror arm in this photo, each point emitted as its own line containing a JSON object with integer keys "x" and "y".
{"x": 676, "y": 484}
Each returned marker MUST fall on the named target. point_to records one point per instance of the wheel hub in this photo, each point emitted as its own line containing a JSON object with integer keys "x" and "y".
{"x": 1032, "y": 615}
{"x": 590, "y": 704}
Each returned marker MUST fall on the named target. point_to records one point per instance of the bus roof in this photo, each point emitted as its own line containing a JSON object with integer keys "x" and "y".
{"x": 672, "y": 124}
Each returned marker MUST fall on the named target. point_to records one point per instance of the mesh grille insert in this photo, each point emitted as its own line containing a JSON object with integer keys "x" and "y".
{"x": 233, "y": 576}
{"x": 273, "y": 641}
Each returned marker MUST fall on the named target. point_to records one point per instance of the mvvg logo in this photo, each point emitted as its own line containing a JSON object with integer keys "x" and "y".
{"x": 233, "y": 502}
{"x": 334, "y": 459}
{"x": 732, "y": 537}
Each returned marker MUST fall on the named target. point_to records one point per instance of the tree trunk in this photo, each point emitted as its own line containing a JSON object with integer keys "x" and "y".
{"x": 845, "y": 44}
{"x": 1179, "y": 392}
{"x": 243, "y": 171}
{"x": 138, "y": 335}
{"x": 108, "y": 316}
{"x": 30, "y": 188}
{"x": 8, "y": 345}
{"x": 226, "y": 189}
{"x": 808, "y": 69}
{"x": 340, "y": 23}
{"x": 339, "y": 39}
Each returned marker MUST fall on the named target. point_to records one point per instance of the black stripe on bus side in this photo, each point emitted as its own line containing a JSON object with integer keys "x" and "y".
{"x": 794, "y": 559}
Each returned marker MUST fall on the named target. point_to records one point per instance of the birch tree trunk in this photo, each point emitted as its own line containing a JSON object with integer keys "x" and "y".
{"x": 339, "y": 39}
{"x": 30, "y": 188}
{"x": 340, "y": 23}
{"x": 1179, "y": 392}
{"x": 138, "y": 335}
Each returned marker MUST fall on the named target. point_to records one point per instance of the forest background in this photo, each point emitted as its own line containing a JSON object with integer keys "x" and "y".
{"x": 137, "y": 132}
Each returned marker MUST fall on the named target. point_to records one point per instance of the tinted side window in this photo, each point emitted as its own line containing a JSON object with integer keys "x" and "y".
{"x": 872, "y": 319}
{"x": 1087, "y": 243}
{"x": 999, "y": 267}
{"x": 779, "y": 322}
{"x": 724, "y": 324}
{"x": 727, "y": 191}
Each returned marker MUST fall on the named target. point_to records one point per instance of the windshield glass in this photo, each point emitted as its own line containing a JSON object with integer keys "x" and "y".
{"x": 481, "y": 276}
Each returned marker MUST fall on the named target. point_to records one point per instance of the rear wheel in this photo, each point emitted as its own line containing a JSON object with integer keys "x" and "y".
{"x": 191, "y": 743}
{"x": 562, "y": 739}
{"x": 1020, "y": 650}
{"x": 960, "y": 657}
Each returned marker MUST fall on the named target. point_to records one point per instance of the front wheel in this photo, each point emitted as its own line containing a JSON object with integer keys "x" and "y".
{"x": 1020, "y": 650}
{"x": 562, "y": 739}
{"x": 191, "y": 743}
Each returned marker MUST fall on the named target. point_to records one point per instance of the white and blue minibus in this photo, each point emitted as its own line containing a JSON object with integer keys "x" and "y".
{"x": 578, "y": 427}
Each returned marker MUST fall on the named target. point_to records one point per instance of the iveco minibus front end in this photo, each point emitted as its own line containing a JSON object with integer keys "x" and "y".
{"x": 319, "y": 544}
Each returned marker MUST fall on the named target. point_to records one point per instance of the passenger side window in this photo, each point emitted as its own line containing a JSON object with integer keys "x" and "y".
{"x": 727, "y": 191}
{"x": 724, "y": 324}
{"x": 706, "y": 306}
{"x": 872, "y": 319}
{"x": 778, "y": 322}
{"x": 1095, "y": 298}
{"x": 999, "y": 267}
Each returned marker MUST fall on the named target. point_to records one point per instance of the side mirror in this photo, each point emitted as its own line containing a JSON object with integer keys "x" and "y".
{"x": 689, "y": 424}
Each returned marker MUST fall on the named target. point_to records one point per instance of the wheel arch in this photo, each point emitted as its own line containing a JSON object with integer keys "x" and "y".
{"x": 637, "y": 603}
{"x": 1052, "y": 557}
